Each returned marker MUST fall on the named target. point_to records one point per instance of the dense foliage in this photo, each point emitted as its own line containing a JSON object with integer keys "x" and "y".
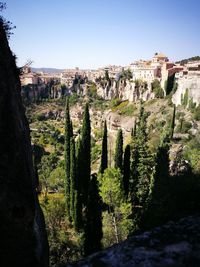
{"x": 147, "y": 188}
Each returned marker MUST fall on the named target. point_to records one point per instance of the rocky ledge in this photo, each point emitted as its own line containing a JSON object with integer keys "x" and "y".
{"x": 175, "y": 244}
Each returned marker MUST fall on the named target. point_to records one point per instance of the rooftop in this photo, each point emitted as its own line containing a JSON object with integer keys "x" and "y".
{"x": 160, "y": 55}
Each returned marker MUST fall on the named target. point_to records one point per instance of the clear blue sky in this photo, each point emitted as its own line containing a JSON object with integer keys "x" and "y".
{"x": 95, "y": 33}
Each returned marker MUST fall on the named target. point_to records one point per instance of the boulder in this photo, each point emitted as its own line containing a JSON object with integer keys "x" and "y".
{"x": 175, "y": 244}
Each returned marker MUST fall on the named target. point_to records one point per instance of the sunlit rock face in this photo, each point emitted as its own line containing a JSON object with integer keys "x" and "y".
{"x": 125, "y": 90}
{"x": 176, "y": 244}
{"x": 192, "y": 85}
{"x": 22, "y": 230}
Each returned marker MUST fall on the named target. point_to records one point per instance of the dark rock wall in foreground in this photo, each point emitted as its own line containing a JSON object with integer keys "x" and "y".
{"x": 172, "y": 245}
{"x": 23, "y": 239}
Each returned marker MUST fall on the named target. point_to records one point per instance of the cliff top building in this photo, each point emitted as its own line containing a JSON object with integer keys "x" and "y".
{"x": 148, "y": 70}
{"x": 159, "y": 57}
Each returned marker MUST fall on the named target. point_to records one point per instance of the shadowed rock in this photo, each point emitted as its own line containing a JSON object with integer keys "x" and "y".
{"x": 23, "y": 239}
{"x": 172, "y": 245}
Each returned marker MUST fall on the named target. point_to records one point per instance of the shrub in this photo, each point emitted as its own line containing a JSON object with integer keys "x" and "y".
{"x": 179, "y": 115}
{"x": 73, "y": 99}
{"x": 40, "y": 117}
{"x": 92, "y": 90}
{"x": 128, "y": 110}
{"x": 156, "y": 88}
{"x": 96, "y": 152}
{"x": 183, "y": 126}
{"x": 197, "y": 113}
{"x": 115, "y": 102}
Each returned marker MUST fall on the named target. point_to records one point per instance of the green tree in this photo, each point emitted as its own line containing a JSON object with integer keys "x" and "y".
{"x": 126, "y": 74}
{"x": 67, "y": 154}
{"x": 173, "y": 122}
{"x": 57, "y": 179}
{"x": 48, "y": 163}
{"x": 133, "y": 130}
{"x": 78, "y": 224}
{"x": 186, "y": 98}
{"x": 156, "y": 88}
{"x": 62, "y": 248}
{"x": 133, "y": 164}
{"x": 134, "y": 174}
{"x": 86, "y": 154}
{"x": 71, "y": 129}
{"x": 169, "y": 84}
{"x": 197, "y": 113}
{"x": 143, "y": 166}
{"x": 7, "y": 25}
{"x": 141, "y": 170}
{"x": 119, "y": 150}
{"x": 78, "y": 165}
{"x": 107, "y": 75}
{"x": 126, "y": 171}
{"x": 93, "y": 227}
{"x": 104, "y": 153}
{"x": 157, "y": 203}
{"x": 72, "y": 177}
{"x": 116, "y": 219}
{"x": 78, "y": 220}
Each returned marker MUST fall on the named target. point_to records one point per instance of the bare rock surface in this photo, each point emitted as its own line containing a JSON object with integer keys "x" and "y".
{"x": 192, "y": 84}
{"x": 22, "y": 228}
{"x": 175, "y": 244}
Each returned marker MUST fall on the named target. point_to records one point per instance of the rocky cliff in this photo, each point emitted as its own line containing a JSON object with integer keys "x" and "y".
{"x": 191, "y": 84}
{"x": 125, "y": 90}
{"x": 176, "y": 244}
{"x": 22, "y": 229}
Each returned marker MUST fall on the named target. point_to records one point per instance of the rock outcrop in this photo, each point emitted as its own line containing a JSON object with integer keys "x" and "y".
{"x": 125, "y": 90}
{"x": 22, "y": 228}
{"x": 176, "y": 244}
{"x": 191, "y": 84}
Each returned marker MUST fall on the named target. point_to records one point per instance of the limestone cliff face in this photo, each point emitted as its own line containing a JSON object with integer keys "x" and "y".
{"x": 22, "y": 229}
{"x": 125, "y": 90}
{"x": 172, "y": 245}
{"x": 192, "y": 83}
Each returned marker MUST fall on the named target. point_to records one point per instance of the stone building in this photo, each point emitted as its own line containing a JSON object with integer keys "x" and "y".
{"x": 149, "y": 70}
{"x": 188, "y": 80}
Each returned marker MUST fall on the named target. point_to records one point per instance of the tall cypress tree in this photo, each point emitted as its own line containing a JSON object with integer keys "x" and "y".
{"x": 78, "y": 224}
{"x": 72, "y": 177}
{"x": 133, "y": 130}
{"x": 104, "y": 152}
{"x": 144, "y": 158}
{"x": 157, "y": 203}
{"x": 77, "y": 211}
{"x": 134, "y": 162}
{"x": 93, "y": 227}
{"x": 85, "y": 150}
{"x": 119, "y": 150}
{"x": 78, "y": 164}
{"x": 141, "y": 170}
{"x": 71, "y": 129}
{"x": 134, "y": 170}
{"x": 67, "y": 155}
{"x": 126, "y": 171}
{"x": 169, "y": 84}
{"x": 173, "y": 122}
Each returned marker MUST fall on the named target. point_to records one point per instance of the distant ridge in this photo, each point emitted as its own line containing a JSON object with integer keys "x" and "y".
{"x": 47, "y": 70}
{"x": 185, "y": 61}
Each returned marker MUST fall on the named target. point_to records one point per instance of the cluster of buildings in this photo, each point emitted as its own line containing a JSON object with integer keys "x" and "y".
{"x": 159, "y": 67}
{"x": 29, "y": 77}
